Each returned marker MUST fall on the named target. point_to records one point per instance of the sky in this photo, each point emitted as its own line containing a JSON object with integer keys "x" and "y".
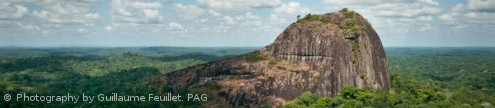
{"x": 234, "y": 23}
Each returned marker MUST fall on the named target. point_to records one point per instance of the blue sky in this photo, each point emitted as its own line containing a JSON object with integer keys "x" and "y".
{"x": 210, "y": 23}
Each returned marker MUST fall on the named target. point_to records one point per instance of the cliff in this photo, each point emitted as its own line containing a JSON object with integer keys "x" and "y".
{"x": 318, "y": 53}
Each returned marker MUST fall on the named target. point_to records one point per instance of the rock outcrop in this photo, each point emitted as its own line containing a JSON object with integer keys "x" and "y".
{"x": 318, "y": 53}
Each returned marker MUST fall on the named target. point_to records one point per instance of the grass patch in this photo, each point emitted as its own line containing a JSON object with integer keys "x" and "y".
{"x": 274, "y": 62}
{"x": 349, "y": 24}
{"x": 356, "y": 30}
{"x": 349, "y": 14}
{"x": 311, "y": 17}
{"x": 255, "y": 57}
{"x": 351, "y": 27}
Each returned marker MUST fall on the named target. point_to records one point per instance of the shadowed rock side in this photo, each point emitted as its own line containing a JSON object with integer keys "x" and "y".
{"x": 321, "y": 56}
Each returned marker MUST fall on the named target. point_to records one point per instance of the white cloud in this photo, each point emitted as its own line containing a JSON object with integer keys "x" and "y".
{"x": 287, "y": 11}
{"x": 150, "y": 13}
{"x": 188, "y": 12}
{"x": 447, "y": 17}
{"x": 404, "y": 9}
{"x": 247, "y": 19}
{"x": 202, "y": 20}
{"x": 229, "y": 5}
{"x": 29, "y": 27}
{"x": 66, "y": 12}
{"x": 430, "y": 2}
{"x": 175, "y": 26}
{"x": 10, "y": 11}
{"x": 480, "y": 15}
{"x": 481, "y": 5}
{"x": 401, "y": 15}
{"x": 247, "y": 22}
{"x": 395, "y": 8}
{"x": 130, "y": 11}
{"x": 426, "y": 27}
{"x": 291, "y": 8}
{"x": 82, "y": 30}
{"x": 353, "y": 2}
{"x": 228, "y": 20}
{"x": 214, "y": 13}
{"x": 424, "y": 18}
{"x": 108, "y": 28}
{"x": 54, "y": 16}
{"x": 473, "y": 13}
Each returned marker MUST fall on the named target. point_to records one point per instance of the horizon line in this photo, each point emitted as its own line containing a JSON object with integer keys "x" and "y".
{"x": 221, "y": 46}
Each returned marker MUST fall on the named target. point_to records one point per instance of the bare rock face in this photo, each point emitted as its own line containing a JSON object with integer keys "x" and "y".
{"x": 319, "y": 53}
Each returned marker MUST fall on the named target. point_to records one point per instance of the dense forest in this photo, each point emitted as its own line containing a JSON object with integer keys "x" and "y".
{"x": 127, "y": 71}
{"x": 421, "y": 77}
{"x": 425, "y": 78}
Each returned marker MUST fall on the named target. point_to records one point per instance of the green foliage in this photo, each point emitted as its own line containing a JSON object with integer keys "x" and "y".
{"x": 349, "y": 14}
{"x": 310, "y": 17}
{"x": 344, "y": 10}
{"x": 125, "y": 61}
{"x": 421, "y": 77}
{"x": 93, "y": 71}
{"x": 274, "y": 62}
{"x": 467, "y": 73}
{"x": 306, "y": 99}
{"x": 350, "y": 24}
{"x": 351, "y": 96}
{"x": 266, "y": 106}
{"x": 255, "y": 57}
{"x": 424, "y": 77}
{"x": 357, "y": 30}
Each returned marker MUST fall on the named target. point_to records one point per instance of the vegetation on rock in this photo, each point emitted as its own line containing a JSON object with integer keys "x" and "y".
{"x": 255, "y": 57}
{"x": 349, "y": 14}
{"x": 313, "y": 17}
{"x": 274, "y": 62}
{"x": 351, "y": 27}
{"x": 404, "y": 93}
{"x": 344, "y": 10}
{"x": 422, "y": 77}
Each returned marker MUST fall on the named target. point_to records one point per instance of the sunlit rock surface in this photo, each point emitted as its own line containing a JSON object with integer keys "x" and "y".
{"x": 320, "y": 56}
